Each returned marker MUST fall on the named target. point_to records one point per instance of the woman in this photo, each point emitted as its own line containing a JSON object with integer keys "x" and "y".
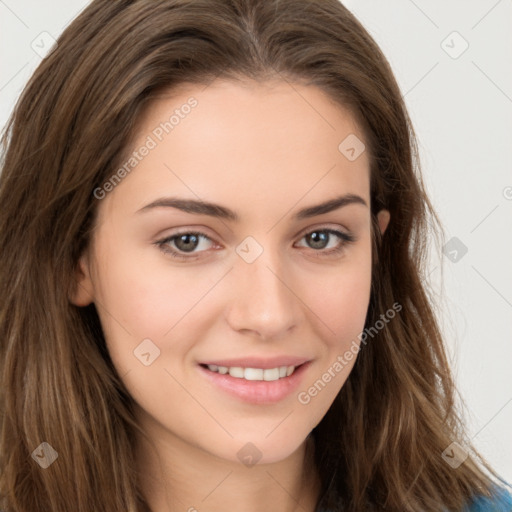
{"x": 212, "y": 246}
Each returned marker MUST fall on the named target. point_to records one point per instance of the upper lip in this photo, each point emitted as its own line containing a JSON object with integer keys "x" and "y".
{"x": 258, "y": 362}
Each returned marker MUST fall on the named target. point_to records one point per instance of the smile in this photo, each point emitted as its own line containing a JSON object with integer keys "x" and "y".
{"x": 259, "y": 386}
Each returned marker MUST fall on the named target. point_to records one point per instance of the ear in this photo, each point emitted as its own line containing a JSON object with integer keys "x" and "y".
{"x": 83, "y": 290}
{"x": 383, "y": 218}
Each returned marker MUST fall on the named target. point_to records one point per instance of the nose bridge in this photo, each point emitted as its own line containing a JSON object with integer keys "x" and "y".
{"x": 262, "y": 300}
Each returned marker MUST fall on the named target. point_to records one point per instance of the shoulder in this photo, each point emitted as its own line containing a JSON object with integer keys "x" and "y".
{"x": 500, "y": 502}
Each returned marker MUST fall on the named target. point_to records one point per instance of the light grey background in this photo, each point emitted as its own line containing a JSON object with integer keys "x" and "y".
{"x": 461, "y": 107}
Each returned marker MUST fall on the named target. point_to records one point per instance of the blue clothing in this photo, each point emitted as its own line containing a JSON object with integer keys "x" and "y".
{"x": 501, "y": 502}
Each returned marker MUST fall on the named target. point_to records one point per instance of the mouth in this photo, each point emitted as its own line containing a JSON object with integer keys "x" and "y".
{"x": 255, "y": 385}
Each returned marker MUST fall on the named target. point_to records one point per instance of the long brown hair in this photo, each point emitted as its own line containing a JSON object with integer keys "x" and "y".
{"x": 380, "y": 444}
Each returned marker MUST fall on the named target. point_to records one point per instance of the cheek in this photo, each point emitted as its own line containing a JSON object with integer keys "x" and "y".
{"x": 340, "y": 297}
{"x": 148, "y": 296}
{"x": 340, "y": 300}
{"x": 151, "y": 299}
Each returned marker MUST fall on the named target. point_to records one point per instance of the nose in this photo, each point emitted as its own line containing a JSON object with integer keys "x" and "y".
{"x": 263, "y": 301}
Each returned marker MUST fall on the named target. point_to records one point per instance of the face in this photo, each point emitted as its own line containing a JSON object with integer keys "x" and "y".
{"x": 259, "y": 286}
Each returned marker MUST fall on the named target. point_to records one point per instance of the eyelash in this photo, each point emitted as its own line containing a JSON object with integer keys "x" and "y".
{"x": 344, "y": 237}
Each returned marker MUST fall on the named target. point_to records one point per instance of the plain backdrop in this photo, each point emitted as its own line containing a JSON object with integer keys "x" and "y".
{"x": 452, "y": 61}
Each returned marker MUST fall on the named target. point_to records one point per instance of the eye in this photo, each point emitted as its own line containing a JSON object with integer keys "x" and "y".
{"x": 324, "y": 240}
{"x": 187, "y": 244}
{"x": 181, "y": 244}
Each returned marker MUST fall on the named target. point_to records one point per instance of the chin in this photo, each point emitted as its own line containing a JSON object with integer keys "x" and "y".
{"x": 259, "y": 450}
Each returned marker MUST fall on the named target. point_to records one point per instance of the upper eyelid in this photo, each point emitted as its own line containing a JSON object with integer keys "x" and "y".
{"x": 300, "y": 235}
{"x": 302, "y": 232}
{"x": 324, "y": 227}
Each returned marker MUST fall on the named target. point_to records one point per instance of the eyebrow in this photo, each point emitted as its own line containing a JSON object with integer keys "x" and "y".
{"x": 215, "y": 210}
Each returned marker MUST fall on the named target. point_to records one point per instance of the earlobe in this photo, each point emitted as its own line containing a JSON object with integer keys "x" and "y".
{"x": 82, "y": 293}
{"x": 383, "y": 218}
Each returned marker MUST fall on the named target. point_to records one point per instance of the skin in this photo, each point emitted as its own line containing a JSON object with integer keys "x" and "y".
{"x": 264, "y": 151}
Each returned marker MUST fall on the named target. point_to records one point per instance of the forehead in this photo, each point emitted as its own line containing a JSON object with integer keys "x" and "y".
{"x": 246, "y": 143}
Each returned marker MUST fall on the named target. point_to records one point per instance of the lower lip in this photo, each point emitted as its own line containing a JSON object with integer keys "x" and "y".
{"x": 257, "y": 391}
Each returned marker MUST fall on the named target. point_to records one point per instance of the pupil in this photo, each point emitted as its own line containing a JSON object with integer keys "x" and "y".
{"x": 318, "y": 239}
{"x": 186, "y": 242}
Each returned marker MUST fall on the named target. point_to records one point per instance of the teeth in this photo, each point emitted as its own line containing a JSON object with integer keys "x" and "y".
{"x": 236, "y": 371}
{"x": 253, "y": 374}
{"x": 271, "y": 374}
{"x": 267, "y": 374}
